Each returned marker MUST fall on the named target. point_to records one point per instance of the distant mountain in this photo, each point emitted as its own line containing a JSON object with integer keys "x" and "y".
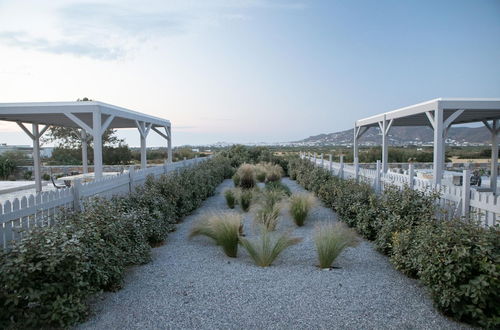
{"x": 399, "y": 136}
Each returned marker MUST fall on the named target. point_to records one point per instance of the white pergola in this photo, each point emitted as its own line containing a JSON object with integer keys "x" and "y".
{"x": 90, "y": 118}
{"x": 440, "y": 114}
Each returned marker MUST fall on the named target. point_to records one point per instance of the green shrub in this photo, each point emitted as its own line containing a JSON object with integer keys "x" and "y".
{"x": 230, "y": 198}
{"x": 224, "y": 228}
{"x": 300, "y": 206}
{"x": 246, "y": 199}
{"x": 267, "y": 246}
{"x": 331, "y": 239}
{"x": 47, "y": 277}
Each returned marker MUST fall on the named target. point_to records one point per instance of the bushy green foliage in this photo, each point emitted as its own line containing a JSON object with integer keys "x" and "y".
{"x": 230, "y": 198}
{"x": 331, "y": 239}
{"x": 278, "y": 185}
{"x": 46, "y": 278}
{"x": 223, "y": 227}
{"x": 267, "y": 246}
{"x": 458, "y": 260}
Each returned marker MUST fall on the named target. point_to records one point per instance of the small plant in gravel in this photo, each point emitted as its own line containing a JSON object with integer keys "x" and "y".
{"x": 265, "y": 248}
{"x": 230, "y": 198}
{"x": 274, "y": 173}
{"x": 246, "y": 173}
{"x": 278, "y": 185}
{"x": 269, "y": 209}
{"x": 236, "y": 180}
{"x": 246, "y": 199}
{"x": 300, "y": 206}
{"x": 331, "y": 239}
{"x": 223, "y": 227}
{"x": 260, "y": 172}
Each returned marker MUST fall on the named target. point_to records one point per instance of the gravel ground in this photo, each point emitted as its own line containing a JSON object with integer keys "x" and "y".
{"x": 191, "y": 284}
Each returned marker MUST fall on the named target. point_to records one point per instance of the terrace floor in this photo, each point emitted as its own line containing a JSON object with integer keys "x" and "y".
{"x": 192, "y": 284}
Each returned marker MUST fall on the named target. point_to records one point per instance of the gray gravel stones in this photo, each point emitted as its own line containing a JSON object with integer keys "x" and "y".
{"x": 191, "y": 284}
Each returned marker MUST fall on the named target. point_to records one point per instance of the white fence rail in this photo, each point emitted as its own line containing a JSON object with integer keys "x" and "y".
{"x": 457, "y": 200}
{"x": 20, "y": 215}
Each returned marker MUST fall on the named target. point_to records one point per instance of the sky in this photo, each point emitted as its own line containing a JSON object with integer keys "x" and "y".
{"x": 247, "y": 70}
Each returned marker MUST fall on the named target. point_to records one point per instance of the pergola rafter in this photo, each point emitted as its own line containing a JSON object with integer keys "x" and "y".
{"x": 440, "y": 114}
{"x": 91, "y": 118}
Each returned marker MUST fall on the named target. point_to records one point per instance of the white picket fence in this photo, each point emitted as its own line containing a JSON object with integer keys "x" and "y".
{"x": 20, "y": 215}
{"x": 456, "y": 200}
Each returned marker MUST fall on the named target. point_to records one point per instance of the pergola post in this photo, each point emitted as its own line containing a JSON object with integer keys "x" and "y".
{"x": 35, "y": 137}
{"x": 143, "y": 131}
{"x": 85, "y": 161}
{"x": 385, "y": 126}
{"x": 36, "y": 158}
{"x": 169, "y": 143}
{"x": 97, "y": 135}
{"x": 438, "y": 145}
{"x": 494, "y": 129}
{"x": 355, "y": 145}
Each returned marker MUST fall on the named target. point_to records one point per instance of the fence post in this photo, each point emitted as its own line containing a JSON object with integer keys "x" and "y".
{"x": 341, "y": 170}
{"x": 131, "y": 179}
{"x": 330, "y": 160}
{"x": 314, "y": 159}
{"x": 465, "y": 193}
{"x": 411, "y": 173}
{"x": 322, "y": 161}
{"x": 77, "y": 187}
{"x": 165, "y": 166}
{"x": 378, "y": 183}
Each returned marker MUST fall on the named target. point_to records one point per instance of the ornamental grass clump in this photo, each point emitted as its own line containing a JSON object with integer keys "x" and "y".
{"x": 223, "y": 227}
{"x": 246, "y": 174}
{"x": 265, "y": 248}
{"x": 273, "y": 173}
{"x": 331, "y": 239}
{"x": 246, "y": 199}
{"x": 260, "y": 172}
{"x": 278, "y": 185}
{"x": 300, "y": 206}
{"x": 268, "y": 212}
{"x": 230, "y": 198}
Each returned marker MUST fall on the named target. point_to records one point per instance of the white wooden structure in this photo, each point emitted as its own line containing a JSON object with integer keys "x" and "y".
{"x": 440, "y": 114}
{"x": 457, "y": 200}
{"x": 20, "y": 215}
{"x": 91, "y": 118}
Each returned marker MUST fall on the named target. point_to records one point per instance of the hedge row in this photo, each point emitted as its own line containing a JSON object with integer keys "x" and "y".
{"x": 47, "y": 277}
{"x": 458, "y": 260}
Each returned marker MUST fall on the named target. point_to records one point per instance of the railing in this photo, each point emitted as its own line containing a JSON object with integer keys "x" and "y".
{"x": 456, "y": 200}
{"x": 20, "y": 215}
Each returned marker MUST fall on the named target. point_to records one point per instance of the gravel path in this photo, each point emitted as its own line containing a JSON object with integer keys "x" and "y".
{"x": 191, "y": 284}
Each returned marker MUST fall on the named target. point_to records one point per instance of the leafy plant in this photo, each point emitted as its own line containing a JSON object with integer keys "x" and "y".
{"x": 230, "y": 198}
{"x": 224, "y": 228}
{"x": 300, "y": 206}
{"x": 331, "y": 239}
{"x": 267, "y": 246}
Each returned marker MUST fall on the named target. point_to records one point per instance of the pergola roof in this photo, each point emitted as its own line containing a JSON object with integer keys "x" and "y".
{"x": 475, "y": 110}
{"x": 54, "y": 114}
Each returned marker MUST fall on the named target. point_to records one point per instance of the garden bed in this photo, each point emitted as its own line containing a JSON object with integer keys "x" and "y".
{"x": 193, "y": 284}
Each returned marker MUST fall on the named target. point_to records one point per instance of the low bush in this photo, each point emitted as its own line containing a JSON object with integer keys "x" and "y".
{"x": 230, "y": 198}
{"x": 47, "y": 277}
{"x": 458, "y": 260}
{"x": 246, "y": 174}
{"x": 300, "y": 205}
{"x": 331, "y": 239}
{"x": 278, "y": 185}
{"x": 267, "y": 246}
{"x": 224, "y": 228}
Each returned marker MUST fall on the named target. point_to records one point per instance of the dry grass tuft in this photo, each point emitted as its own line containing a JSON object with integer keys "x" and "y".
{"x": 331, "y": 239}
{"x": 300, "y": 206}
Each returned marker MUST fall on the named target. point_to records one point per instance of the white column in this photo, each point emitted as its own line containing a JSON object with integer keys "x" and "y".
{"x": 330, "y": 162}
{"x": 36, "y": 158}
{"x": 97, "y": 134}
{"x": 169, "y": 144}
{"x": 438, "y": 145}
{"x": 411, "y": 174}
{"x": 378, "y": 186}
{"x": 385, "y": 149}
{"x": 494, "y": 156}
{"x": 355, "y": 145}
{"x": 85, "y": 161}
{"x": 341, "y": 170}
{"x": 465, "y": 193}
{"x": 144, "y": 161}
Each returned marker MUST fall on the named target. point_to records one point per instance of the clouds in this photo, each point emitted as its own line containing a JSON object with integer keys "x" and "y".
{"x": 108, "y": 30}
